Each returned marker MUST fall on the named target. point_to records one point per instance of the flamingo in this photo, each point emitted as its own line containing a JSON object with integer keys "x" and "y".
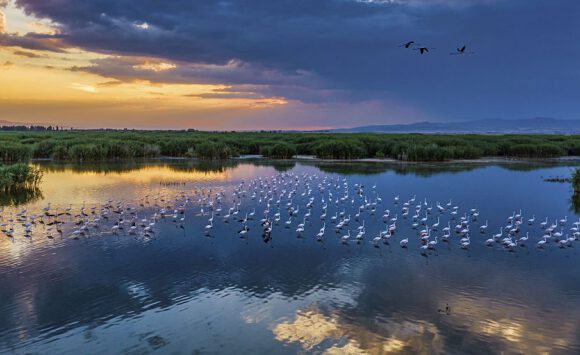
{"x": 563, "y": 242}
{"x": 433, "y": 243}
{"x": 483, "y": 227}
{"x": 542, "y": 242}
{"x": 404, "y": 242}
{"x": 448, "y": 228}
{"x": 243, "y": 231}
{"x": 465, "y": 244}
{"x": 435, "y": 225}
{"x": 346, "y": 237}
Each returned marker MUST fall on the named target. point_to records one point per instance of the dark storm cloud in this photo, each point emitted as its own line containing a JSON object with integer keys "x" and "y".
{"x": 524, "y": 53}
{"x": 131, "y": 68}
{"x": 287, "y": 35}
{"x": 34, "y": 41}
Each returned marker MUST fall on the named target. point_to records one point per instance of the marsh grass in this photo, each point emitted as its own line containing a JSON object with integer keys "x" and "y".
{"x": 85, "y": 146}
{"x": 576, "y": 182}
{"x": 278, "y": 151}
{"x": 19, "y": 176}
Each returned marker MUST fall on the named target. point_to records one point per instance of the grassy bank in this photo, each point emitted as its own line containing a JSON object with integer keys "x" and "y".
{"x": 19, "y": 176}
{"x": 576, "y": 182}
{"x": 105, "y": 145}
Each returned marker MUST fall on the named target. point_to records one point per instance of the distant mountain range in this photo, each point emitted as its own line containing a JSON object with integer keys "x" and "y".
{"x": 544, "y": 125}
{"x": 8, "y": 123}
{"x": 532, "y": 125}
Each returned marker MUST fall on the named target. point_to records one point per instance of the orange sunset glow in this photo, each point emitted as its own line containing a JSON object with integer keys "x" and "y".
{"x": 289, "y": 177}
{"x": 251, "y": 66}
{"x": 47, "y": 87}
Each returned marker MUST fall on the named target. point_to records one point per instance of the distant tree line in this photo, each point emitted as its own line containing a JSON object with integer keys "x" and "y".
{"x": 23, "y": 128}
{"x": 100, "y": 145}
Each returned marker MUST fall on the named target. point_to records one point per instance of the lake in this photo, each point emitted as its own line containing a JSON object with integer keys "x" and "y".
{"x": 171, "y": 285}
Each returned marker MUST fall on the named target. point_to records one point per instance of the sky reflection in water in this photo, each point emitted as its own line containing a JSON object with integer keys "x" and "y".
{"x": 182, "y": 291}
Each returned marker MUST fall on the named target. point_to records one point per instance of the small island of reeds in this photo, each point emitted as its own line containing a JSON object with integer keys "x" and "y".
{"x": 576, "y": 182}
{"x": 19, "y": 183}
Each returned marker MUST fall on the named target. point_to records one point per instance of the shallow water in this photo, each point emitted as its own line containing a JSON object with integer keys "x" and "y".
{"x": 181, "y": 291}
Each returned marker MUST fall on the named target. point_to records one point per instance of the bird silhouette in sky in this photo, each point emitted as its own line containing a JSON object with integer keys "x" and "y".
{"x": 423, "y": 50}
{"x": 460, "y": 51}
{"x": 408, "y": 44}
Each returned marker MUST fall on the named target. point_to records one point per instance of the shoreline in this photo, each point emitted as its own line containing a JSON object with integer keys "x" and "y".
{"x": 485, "y": 160}
{"x": 310, "y": 158}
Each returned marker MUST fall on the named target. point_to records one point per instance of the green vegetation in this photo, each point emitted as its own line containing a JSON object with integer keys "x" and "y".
{"x": 11, "y": 152}
{"x": 19, "y": 183}
{"x": 105, "y": 145}
{"x": 278, "y": 151}
{"x": 18, "y": 177}
{"x": 576, "y": 181}
{"x": 212, "y": 150}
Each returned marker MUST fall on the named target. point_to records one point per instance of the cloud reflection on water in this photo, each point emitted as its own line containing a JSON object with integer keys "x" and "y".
{"x": 287, "y": 296}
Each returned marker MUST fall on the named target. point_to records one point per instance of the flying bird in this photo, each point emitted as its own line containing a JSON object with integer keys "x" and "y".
{"x": 460, "y": 50}
{"x": 423, "y": 50}
{"x": 408, "y": 44}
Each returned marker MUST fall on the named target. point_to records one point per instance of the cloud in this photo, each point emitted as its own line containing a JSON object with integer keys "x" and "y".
{"x": 42, "y": 28}
{"x": 248, "y": 80}
{"x": 229, "y": 93}
{"x": 83, "y": 87}
{"x": 130, "y": 68}
{"x": 332, "y": 51}
{"x": 111, "y": 83}
{"x": 268, "y": 33}
{"x": 2, "y": 21}
{"x": 431, "y": 3}
{"x": 28, "y": 54}
{"x": 155, "y": 67}
{"x": 6, "y": 65}
{"x": 34, "y": 41}
{"x": 340, "y": 45}
{"x": 143, "y": 26}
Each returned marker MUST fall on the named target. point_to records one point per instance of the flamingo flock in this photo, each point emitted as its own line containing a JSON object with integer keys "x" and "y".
{"x": 307, "y": 205}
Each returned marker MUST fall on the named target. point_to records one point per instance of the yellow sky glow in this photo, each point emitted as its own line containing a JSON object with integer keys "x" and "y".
{"x": 41, "y": 87}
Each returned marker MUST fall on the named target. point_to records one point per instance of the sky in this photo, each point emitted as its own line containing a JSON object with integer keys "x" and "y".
{"x": 286, "y": 64}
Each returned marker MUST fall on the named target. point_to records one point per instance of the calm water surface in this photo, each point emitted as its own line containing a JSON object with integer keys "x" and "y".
{"x": 184, "y": 292}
